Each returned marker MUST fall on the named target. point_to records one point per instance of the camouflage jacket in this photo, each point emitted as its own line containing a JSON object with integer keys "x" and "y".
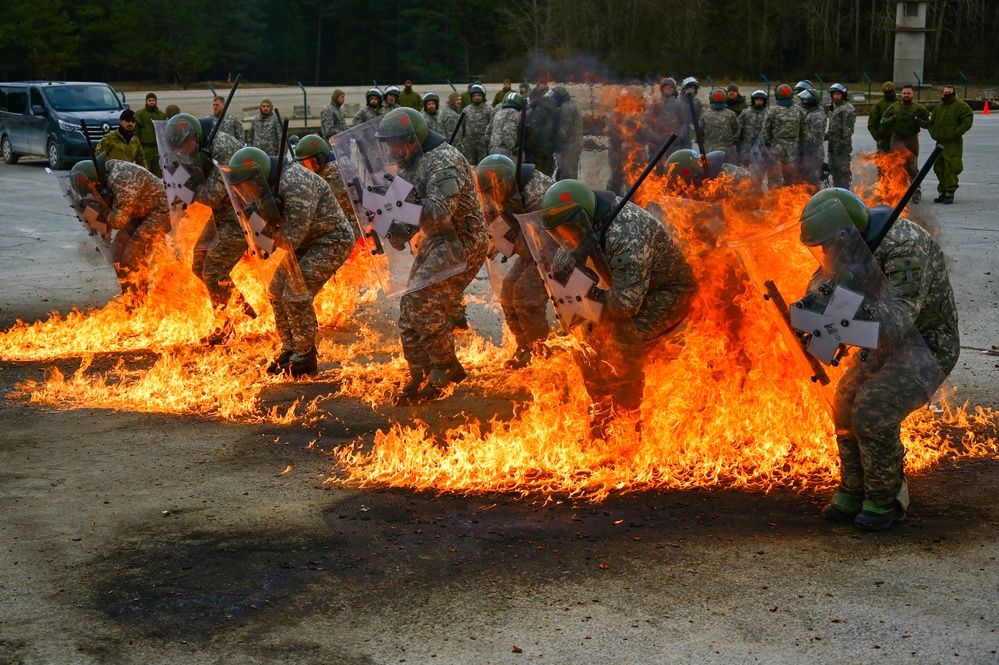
{"x": 750, "y": 127}
{"x": 447, "y": 120}
{"x": 137, "y": 193}
{"x": 265, "y": 133}
{"x": 449, "y": 197}
{"x": 916, "y": 268}
{"x": 813, "y": 134}
{"x": 144, "y": 124}
{"x": 365, "y": 114}
{"x": 782, "y": 131}
{"x": 671, "y": 115}
{"x": 310, "y": 213}
{"x": 231, "y": 126}
{"x": 532, "y": 195}
{"x": 115, "y": 145}
{"x": 720, "y": 127}
{"x": 569, "y": 137}
{"x": 842, "y": 121}
{"x": 476, "y": 124}
{"x": 333, "y": 120}
{"x": 905, "y": 119}
{"x": 643, "y": 258}
{"x": 213, "y": 193}
{"x": 433, "y": 121}
{"x": 504, "y": 132}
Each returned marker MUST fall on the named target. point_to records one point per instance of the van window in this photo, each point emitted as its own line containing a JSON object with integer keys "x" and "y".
{"x": 36, "y": 98}
{"x": 82, "y": 98}
{"x": 16, "y": 100}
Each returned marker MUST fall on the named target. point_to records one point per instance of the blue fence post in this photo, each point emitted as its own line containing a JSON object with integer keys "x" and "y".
{"x": 822, "y": 86}
{"x": 869, "y": 93}
{"x": 212, "y": 88}
{"x": 965, "y": 83}
{"x": 764, "y": 77}
{"x": 305, "y": 103}
{"x": 711, "y": 81}
{"x": 919, "y": 86}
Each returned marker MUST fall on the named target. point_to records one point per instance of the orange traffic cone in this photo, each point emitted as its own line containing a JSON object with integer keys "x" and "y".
{"x": 986, "y": 107}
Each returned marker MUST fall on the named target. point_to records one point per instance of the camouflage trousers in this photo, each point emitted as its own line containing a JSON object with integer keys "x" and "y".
{"x": 948, "y": 166}
{"x": 295, "y": 313}
{"x": 151, "y": 153}
{"x": 872, "y": 400}
{"x": 568, "y": 164}
{"x": 839, "y": 169}
{"x": 426, "y": 327}
{"x": 810, "y": 170}
{"x": 218, "y": 250}
{"x": 131, "y": 248}
{"x": 525, "y": 303}
{"x": 612, "y": 359}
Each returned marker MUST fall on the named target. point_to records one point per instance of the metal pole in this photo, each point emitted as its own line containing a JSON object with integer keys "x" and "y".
{"x": 965, "y": 83}
{"x": 822, "y": 86}
{"x": 711, "y": 81}
{"x": 305, "y": 108}
{"x": 764, "y": 77}
{"x": 869, "y": 93}
{"x": 919, "y": 86}
{"x": 212, "y": 88}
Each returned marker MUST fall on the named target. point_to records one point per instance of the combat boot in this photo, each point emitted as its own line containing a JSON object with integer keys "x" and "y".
{"x": 442, "y": 376}
{"x": 844, "y": 506}
{"x": 948, "y": 198}
{"x": 410, "y": 393}
{"x": 873, "y": 517}
{"x": 302, "y": 364}
{"x": 521, "y": 358}
{"x": 278, "y": 364}
{"x": 220, "y": 335}
{"x": 942, "y": 198}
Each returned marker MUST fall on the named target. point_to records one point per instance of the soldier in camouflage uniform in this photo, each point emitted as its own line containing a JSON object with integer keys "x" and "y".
{"x": 221, "y": 243}
{"x": 448, "y": 119}
{"x": 146, "y": 133}
{"x": 874, "y": 397}
{"x": 138, "y": 211}
{"x": 333, "y": 119}
{"x": 322, "y": 238}
{"x": 625, "y": 147}
{"x": 476, "y": 126}
{"x": 314, "y": 153}
{"x": 904, "y": 118}
{"x": 720, "y": 126}
{"x": 882, "y": 135}
{"x": 569, "y": 138}
{"x": 523, "y": 296}
{"x": 751, "y": 125}
{"x": 504, "y": 128}
{"x": 670, "y": 115}
{"x": 842, "y": 121}
{"x": 651, "y": 292}
{"x": 782, "y": 132}
{"x": 813, "y": 134}
{"x": 265, "y": 130}
{"x": 446, "y": 187}
{"x": 229, "y": 124}
{"x": 391, "y": 103}
{"x": 541, "y": 134}
{"x": 431, "y": 111}
{"x": 372, "y": 107}
{"x": 122, "y": 144}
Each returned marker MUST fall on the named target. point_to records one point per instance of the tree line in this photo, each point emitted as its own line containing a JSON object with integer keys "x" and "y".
{"x": 323, "y": 42}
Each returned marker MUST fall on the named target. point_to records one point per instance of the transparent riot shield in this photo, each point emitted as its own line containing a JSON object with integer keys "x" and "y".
{"x": 260, "y": 220}
{"x": 89, "y": 208}
{"x": 836, "y": 310}
{"x": 183, "y": 177}
{"x": 408, "y": 252}
{"x": 500, "y": 203}
{"x": 570, "y": 261}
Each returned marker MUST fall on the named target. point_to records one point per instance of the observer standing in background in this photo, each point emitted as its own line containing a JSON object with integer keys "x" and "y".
{"x": 122, "y": 143}
{"x": 842, "y": 121}
{"x": 500, "y": 96}
{"x": 147, "y": 134}
{"x": 265, "y": 130}
{"x": 882, "y": 135}
{"x": 569, "y": 137}
{"x": 409, "y": 97}
{"x": 904, "y": 118}
{"x": 333, "y": 117}
{"x": 229, "y": 124}
{"x": 950, "y": 120}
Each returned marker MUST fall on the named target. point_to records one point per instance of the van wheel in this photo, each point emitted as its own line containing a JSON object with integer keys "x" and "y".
{"x": 8, "y": 152}
{"x": 56, "y": 161}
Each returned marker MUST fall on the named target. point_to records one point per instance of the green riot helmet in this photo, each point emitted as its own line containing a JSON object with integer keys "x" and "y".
{"x": 684, "y": 167}
{"x": 571, "y": 191}
{"x": 718, "y": 100}
{"x": 803, "y": 84}
{"x": 431, "y": 97}
{"x": 183, "y": 127}
{"x": 312, "y": 151}
{"x": 838, "y": 87}
{"x": 829, "y": 212}
{"x": 249, "y": 158}
{"x": 808, "y": 98}
{"x": 784, "y": 95}
{"x": 760, "y": 94}
{"x": 513, "y": 100}
{"x": 84, "y": 170}
{"x": 494, "y": 170}
{"x": 401, "y": 132}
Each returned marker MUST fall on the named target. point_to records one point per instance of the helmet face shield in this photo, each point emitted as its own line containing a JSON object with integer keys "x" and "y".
{"x": 399, "y": 150}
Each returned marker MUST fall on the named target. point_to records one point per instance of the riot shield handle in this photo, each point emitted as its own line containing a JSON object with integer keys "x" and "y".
{"x": 698, "y": 133}
{"x": 215, "y": 129}
{"x": 900, "y": 206}
{"x": 638, "y": 183}
{"x": 93, "y": 156}
{"x": 774, "y": 296}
